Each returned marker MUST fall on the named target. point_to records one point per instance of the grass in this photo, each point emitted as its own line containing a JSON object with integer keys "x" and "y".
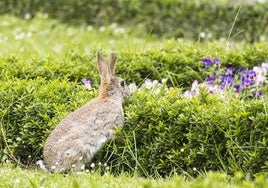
{"x": 16, "y": 177}
{"x": 42, "y": 37}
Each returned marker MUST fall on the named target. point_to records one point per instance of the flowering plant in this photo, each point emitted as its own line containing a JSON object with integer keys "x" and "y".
{"x": 244, "y": 83}
{"x": 87, "y": 83}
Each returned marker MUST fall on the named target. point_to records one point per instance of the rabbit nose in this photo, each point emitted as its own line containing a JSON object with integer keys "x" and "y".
{"x": 126, "y": 93}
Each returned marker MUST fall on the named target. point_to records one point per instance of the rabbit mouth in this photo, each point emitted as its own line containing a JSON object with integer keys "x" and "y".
{"x": 126, "y": 93}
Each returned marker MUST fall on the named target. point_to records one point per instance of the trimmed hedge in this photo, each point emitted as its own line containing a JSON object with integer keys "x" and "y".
{"x": 163, "y": 132}
{"x": 177, "y": 60}
{"x": 172, "y": 18}
{"x": 30, "y": 110}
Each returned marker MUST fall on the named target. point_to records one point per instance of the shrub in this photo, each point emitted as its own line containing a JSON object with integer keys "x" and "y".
{"x": 177, "y": 60}
{"x": 31, "y": 109}
{"x": 166, "y": 133}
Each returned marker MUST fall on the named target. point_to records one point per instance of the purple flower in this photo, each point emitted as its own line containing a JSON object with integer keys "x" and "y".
{"x": 227, "y": 81}
{"x": 238, "y": 88}
{"x": 258, "y": 94}
{"x": 217, "y": 62}
{"x": 241, "y": 71}
{"x": 211, "y": 79}
{"x": 247, "y": 83}
{"x": 87, "y": 83}
{"x": 207, "y": 62}
{"x": 230, "y": 71}
{"x": 251, "y": 75}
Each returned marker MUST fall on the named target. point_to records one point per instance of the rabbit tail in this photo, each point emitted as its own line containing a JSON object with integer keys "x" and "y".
{"x": 41, "y": 165}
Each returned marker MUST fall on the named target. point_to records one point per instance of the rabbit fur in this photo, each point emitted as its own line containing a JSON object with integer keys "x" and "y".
{"x": 73, "y": 143}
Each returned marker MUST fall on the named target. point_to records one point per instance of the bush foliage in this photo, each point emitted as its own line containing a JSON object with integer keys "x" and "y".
{"x": 172, "y": 18}
{"x": 163, "y": 131}
{"x": 167, "y": 133}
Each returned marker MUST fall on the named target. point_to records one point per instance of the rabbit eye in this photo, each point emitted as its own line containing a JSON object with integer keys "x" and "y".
{"x": 122, "y": 83}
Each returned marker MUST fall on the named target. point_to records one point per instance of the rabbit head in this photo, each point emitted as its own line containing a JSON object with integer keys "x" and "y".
{"x": 111, "y": 85}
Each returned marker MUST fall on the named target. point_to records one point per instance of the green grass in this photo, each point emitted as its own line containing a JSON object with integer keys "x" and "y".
{"x": 17, "y": 177}
{"x": 42, "y": 37}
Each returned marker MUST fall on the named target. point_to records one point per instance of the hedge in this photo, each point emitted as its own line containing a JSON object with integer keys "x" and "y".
{"x": 172, "y": 18}
{"x": 31, "y": 108}
{"x": 177, "y": 60}
{"x": 163, "y": 132}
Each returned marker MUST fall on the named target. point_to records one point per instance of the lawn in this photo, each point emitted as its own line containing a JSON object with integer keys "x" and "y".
{"x": 17, "y": 177}
{"x": 45, "y": 38}
{"x": 42, "y": 37}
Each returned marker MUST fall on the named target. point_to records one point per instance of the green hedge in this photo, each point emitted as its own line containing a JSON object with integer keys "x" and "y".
{"x": 177, "y": 60}
{"x": 30, "y": 110}
{"x": 163, "y": 132}
{"x": 171, "y": 18}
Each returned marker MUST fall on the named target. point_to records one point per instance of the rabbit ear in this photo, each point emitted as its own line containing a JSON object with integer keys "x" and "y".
{"x": 102, "y": 66}
{"x": 112, "y": 63}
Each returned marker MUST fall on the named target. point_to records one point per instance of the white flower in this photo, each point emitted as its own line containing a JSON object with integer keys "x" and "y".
{"x": 260, "y": 80}
{"x": 27, "y": 16}
{"x": 202, "y": 34}
{"x": 164, "y": 80}
{"x": 45, "y": 15}
{"x": 194, "y": 169}
{"x": 148, "y": 83}
{"x": 82, "y": 167}
{"x": 157, "y": 90}
{"x": 194, "y": 90}
{"x": 57, "y": 48}
{"x": 29, "y": 34}
{"x": 89, "y": 28}
{"x": 155, "y": 83}
{"x": 265, "y": 67}
{"x": 113, "y": 25}
{"x": 182, "y": 150}
{"x": 19, "y": 36}
{"x": 4, "y": 39}
{"x": 5, "y": 23}
{"x": 258, "y": 70}
{"x": 92, "y": 165}
{"x": 119, "y": 30}
{"x": 17, "y": 181}
{"x": 132, "y": 87}
{"x": 102, "y": 28}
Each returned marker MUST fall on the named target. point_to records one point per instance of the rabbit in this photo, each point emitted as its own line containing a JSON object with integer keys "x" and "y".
{"x": 75, "y": 140}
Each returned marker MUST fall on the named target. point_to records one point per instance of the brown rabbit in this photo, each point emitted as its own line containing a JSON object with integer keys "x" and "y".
{"x": 76, "y": 139}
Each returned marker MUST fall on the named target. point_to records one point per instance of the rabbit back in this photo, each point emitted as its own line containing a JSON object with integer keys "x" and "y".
{"x": 73, "y": 143}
